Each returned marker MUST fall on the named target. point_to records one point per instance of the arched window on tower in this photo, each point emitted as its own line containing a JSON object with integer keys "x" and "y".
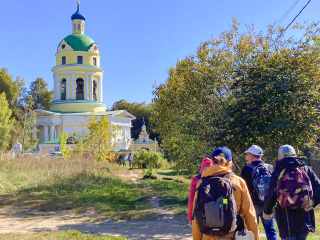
{"x": 74, "y": 27}
{"x": 80, "y": 92}
{"x": 78, "y": 27}
{"x": 94, "y": 90}
{"x": 63, "y": 89}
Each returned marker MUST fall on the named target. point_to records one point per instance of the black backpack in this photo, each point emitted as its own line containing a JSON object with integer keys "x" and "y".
{"x": 261, "y": 176}
{"x": 215, "y": 207}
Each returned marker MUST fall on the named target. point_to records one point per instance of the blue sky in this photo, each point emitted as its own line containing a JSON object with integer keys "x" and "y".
{"x": 139, "y": 40}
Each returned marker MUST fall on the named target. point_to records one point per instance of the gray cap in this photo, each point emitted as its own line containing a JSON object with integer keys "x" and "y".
{"x": 286, "y": 151}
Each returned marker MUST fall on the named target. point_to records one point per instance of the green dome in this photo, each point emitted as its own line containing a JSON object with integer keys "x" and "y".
{"x": 79, "y": 42}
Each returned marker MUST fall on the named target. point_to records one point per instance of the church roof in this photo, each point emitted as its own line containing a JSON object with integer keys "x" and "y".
{"x": 78, "y": 42}
{"x": 78, "y": 14}
{"x": 119, "y": 113}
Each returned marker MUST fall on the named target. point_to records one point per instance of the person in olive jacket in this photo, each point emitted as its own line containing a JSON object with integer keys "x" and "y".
{"x": 293, "y": 224}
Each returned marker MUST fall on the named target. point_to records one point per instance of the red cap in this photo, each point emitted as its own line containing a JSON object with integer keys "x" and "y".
{"x": 206, "y": 162}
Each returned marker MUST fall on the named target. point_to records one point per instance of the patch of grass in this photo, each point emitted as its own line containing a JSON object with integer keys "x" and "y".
{"x": 167, "y": 172}
{"x": 70, "y": 234}
{"x": 174, "y": 195}
{"x": 164, "y": 172}
{"x": 50, "y": 185}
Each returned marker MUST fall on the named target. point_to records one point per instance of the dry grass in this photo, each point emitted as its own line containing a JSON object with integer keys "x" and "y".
{"x": 78, "y": 184}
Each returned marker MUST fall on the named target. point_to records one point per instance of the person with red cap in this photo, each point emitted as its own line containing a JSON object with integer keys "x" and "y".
{"x": 206, "y": 162}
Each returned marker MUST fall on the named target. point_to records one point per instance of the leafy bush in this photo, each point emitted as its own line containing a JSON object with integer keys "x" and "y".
{"x": 149, "y": 160}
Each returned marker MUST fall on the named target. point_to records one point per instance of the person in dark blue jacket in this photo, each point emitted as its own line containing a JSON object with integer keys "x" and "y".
{"x": 253, "y": 159}
{"x": 293, "y": 224}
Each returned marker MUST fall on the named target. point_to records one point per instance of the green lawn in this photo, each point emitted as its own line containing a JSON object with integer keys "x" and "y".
{"x": 174, "y": 195}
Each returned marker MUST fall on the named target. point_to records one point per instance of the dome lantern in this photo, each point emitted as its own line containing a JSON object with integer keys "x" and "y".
{"x": 78, "y": 21}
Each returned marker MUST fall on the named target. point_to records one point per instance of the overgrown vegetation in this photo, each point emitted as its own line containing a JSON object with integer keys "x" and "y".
{"x": 53, "y": 184}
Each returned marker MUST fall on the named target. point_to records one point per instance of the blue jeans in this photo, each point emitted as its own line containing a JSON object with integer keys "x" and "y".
{"x": 297, "y": 237}
{"x": 268, "y": 225}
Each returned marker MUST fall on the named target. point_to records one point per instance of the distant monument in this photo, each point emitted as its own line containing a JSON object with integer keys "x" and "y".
{"x": 16, "y": 149}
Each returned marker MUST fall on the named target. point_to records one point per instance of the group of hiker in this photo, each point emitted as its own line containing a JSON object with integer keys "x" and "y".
{"x": 125, "y": 158}
{"x": 225, "y": 206}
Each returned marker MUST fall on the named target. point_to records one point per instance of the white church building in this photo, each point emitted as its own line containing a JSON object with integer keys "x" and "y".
{"x": 78, "y": 92}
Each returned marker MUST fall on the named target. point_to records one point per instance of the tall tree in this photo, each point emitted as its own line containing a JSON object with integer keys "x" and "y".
{"x": 39, "y": 92}
{"x": 6, "y": 123}
{"x": 140, "y": 111}
{"x": 236, "y": 91}
{"x": 25, "y": 119}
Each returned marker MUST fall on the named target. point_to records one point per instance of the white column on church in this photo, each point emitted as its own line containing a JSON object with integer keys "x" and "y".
{"x": 58, "y": 131}
{"x": 34, "y": 132}
{"x": 40, "y": 134}
{"x": 124, "y": 132}
{"x": 91, "y": 86}
{"x": 100, "y": 89}
{"x": 128, "y": 131}
{"x": 87, "y": 86}
{"x": 52, "y": 129}
{"x": 73, "y": 86}
{"x": 46, "y": 133}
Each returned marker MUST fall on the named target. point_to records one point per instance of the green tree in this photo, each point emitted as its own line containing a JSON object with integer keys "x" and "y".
{"x": 10, "y": 87}
{"x": 236, "y": 91}
{"x": 277, "y": 99}
{"x": 6, "y": 123}
{"x": 66, "y": 151}
{"x": 101, "y": 134}
{"x": 40, "y": 94}
{"x": 140, "y": 111}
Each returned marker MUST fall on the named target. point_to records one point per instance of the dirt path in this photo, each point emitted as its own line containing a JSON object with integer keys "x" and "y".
{"x": 166, "y": 226}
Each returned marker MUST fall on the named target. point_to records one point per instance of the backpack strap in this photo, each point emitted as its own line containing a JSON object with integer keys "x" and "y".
{"x": 205, "y": 179}
{"x": 251, "y": 165}
{"x": 227, "y": 175}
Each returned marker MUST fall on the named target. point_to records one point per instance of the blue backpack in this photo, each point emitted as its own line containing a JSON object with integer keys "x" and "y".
{"x": 261, "y": 176}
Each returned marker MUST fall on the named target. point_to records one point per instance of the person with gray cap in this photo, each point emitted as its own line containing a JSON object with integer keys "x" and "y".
{"x": 294, "y": 191}
{"x": 257, "y": 175}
